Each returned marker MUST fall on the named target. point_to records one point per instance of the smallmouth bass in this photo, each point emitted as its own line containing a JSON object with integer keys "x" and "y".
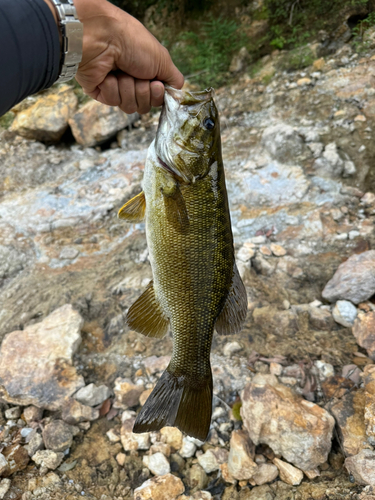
{"x": 196, "y": 286}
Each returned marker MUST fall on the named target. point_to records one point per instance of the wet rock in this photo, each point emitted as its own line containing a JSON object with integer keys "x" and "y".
{"x": 95, "y": 123}
{"x": 33, "y": 414}
{"x": 297, "y": 429}
{"x": 92, "y": 395}
{"x": 172, "y": 436}
{"x": 167, "y": 487}
{"x": 288, "y": 473}
{"x": 74, "y": 412}
{"x": 126, "y": 393}
{"x": 364, "y": 332}
{"x": 354, "y": 279}
{"x": 4, "y": 466}
{"x": 35, "y": 444}
{"x": 361, "y": 466}
{"x": 242, "y": 451}
{"x": 265, "y": 473}
{"x": 344, "y": 313}
{"x": 282, "y": 142}
{"x": 47, "y": 119}
{"x": 36, "y": 363}
{"x": 57, "y": 435}
{"x": 157, "y": 463}
{"x": 4, "y": 487}
{"x": 349, "y": 415}
{"x": 48, "y": 458}
{"x": 131, "y": 441}
{"x": 17, "y": 457}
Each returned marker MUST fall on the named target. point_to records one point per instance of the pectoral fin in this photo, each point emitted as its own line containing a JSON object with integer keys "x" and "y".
{"x": 233, "y": 315}
{"x": 175, "y": 209}
{"x": 146, "y": 315}
{"x": 134, "y": 210}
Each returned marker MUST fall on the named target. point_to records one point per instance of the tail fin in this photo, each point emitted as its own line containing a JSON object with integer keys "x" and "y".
{"x": 177, "y": 403}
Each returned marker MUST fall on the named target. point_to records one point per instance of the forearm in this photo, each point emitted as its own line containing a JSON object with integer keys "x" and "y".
{"x": 30, "y": 54}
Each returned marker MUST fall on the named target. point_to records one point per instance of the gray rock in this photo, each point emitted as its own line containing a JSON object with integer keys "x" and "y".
{"x": 69, "y": 253}
{"x": 364, "y": 332}
{"x": 33, "y": 360}
{"x": 4, "y": 466}
{"x": 265, "y": 473}
{"x": 74, "y": 412}
{"x": 35, "y": 444}
{"x": 33, "y": 414}
{"x": 4, "y": 487}
{"x": 344, "y": 313}
{"x": 188, "y": 448}
{"x": 13, "y": 413}
{"x": 48, "y": 458}
{"x": 93, "y": 395}
{"x": 361, "y": 466}
{"x": 57, "y": 435}
{"x": 354, "y": 279}
{"x": 241, "y": 465}
{"x": 282, "y": 142}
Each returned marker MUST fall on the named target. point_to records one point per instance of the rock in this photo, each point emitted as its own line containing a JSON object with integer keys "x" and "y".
{"x": 13, "y": 413}
{"x": 265, "y": 473}
{"x": 239, "y": 61}
{"x": 69, "y": 253}
{"x": 301, "y": 82}
{"x": 212, "y": 459}
{"x": 361, "y": 467}
{"x": 349, "y": 414}
{"x": 197, "y": 479}
{"x": 4, "y": 466}
{"x": 320, "y": 318}
{"x": 242, "y": 451}
{"x": 288, "y": 473}
{"x": 334, "y": 163}
{"x": 313, "y": 473}
{"x": 325, "y": 370}
{"x": 163, "y": 448}
{"x": 172, "y": 436}
{"x": 47, "y": 119}
{"x": 231, "y": 348}
{"x": 369, "y": 413}
{"x": 48, "y": 458}
{"x": 126, "y": 393}
{"x": 364, "y": 332}
{"x": 167, "y": 487}
{"x": 17, "y": 457}
{"x": 297, "y": 429}
{"x": 157, "y": 464}
{"x": 352, "y": 372}
{"x": 188, "y": 448}
{"x": 155, "y": 364}
{"x": 36, "y": 363}
{"x": 33, "y": 414}
{"x": 35, "y": 444}
{"x": 74, "y": 412}
{"x": 131, "y": 441}
{"x": 4, "y": 487}
{"x": 95, "y": 123}
{"x": 92, "y": 395}
{"x": 276, "y": 369}
{"x": 277, "y": 250}
{"x": 368, "y": 199}
{"x": 57, "y": 435}
{"x": 354, "y": 279}
{"x": 344, "y": 313}
{"x": 282, "y": 142}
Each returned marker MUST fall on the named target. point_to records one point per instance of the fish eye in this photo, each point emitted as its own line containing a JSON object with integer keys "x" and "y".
{"x": 208, "y": 123}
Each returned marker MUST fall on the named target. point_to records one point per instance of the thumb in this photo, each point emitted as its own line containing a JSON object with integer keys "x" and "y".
{"x": 168, "y": 72}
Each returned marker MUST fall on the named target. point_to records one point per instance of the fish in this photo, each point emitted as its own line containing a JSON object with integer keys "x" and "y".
{"x": 196, "y": 286}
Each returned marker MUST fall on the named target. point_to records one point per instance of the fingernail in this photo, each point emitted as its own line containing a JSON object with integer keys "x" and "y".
{"x": 157, "y": 90}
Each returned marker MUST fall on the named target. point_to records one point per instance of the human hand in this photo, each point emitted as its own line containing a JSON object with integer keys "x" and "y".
{"x": 123, "y": 64}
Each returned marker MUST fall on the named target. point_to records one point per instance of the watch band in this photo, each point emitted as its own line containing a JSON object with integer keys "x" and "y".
{"x": 72, "y": 35}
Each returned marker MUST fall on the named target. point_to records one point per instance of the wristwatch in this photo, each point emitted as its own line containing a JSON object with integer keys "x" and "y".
{"x": 72, "y": 34}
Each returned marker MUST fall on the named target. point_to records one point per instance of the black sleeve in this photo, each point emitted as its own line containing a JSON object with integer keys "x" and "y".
{"x": 29, "y": 50}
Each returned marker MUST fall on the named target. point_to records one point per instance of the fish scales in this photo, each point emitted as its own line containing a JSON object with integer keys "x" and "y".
{"x": 196, "y": 286}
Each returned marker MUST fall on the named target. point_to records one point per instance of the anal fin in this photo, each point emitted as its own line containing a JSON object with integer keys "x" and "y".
{"x": 233, "y": 315}
{"x": 146, "y": 315}
{"x": 134, "y": 210}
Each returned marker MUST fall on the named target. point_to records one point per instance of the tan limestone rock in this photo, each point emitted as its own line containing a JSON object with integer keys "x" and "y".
{"x": 126, "y": 393}
{"x": 369, "y": 413}
{"x": 47, "y": 119}
{"x": 36, "y": 363}
{"x": 361, "y": 466}
{"x": 95, "y": 122}
{"x": 364, "y": 331}
{"x": 288, "y": 473}
{"x": 131, "y": 441}
{"x": 349, "y": 414}
{"x": 297, "y": 429}
{"x": 167, "y": 487}
{"x": 242, "y": 451}
{"x": 172, "y": 436}
{"x": 266, "y": 473}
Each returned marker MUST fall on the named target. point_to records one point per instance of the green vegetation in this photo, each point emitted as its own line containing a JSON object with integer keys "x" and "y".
{"x": 361, "y": 43}
{"x": 6, "y": 120}
{"x": 204, "y": 56}
{"x": 236, "y": 410}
